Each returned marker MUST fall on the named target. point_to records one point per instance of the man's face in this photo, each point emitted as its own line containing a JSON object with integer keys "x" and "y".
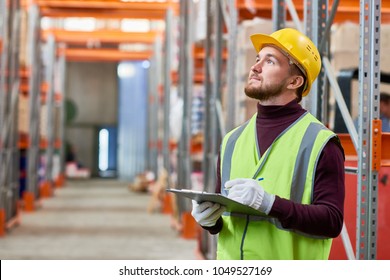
{"x": 385, "y": 108}
{"x": 268, "y": 76}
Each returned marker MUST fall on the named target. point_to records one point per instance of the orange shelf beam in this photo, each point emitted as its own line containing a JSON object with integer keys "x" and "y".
{"x": 24, "y": 72}
{"x": 24, "y": 143}
{"x": 106, "y": 9}
{"x": 199, "y": 53}
{"x": 107, "y": 4}
{"x": 348, "y": 10}
{"x": 24, "y": 87}
{"x": 100, "y": 36}
{"x": 351, "y": 153}
{"x": 103, "y": 55}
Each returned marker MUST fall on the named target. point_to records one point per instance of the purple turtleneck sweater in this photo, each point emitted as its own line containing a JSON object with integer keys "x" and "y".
{"x": 324, "y": 217}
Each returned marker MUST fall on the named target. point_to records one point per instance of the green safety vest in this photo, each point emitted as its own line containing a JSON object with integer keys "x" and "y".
{"x": 288, "y": 168}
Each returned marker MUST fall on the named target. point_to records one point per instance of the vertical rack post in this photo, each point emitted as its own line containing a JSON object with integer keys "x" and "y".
{"x": 4, "y": 23}
{"x": 9, "y": 98}
{"x": 231, "y": 75}
{"x": 207, "y": 163}
{"x": 212, "y": 84}
{"x": 13, "y": 163}
{"x": 62, "y": 82}
{"x": 49, "y": 67}
{"x": 3, "y": 59}
{"x": 33, "y": 153}
{"x": 278, "y": 14}
{"x": 315, "y": 21}
{"x": 167, "y": 90}
{"x": 185, "y": 91}
{"x": 154, "y": 97}
{"x": 369, "y": 84}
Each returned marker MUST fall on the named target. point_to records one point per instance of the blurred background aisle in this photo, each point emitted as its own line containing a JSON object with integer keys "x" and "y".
{"x": 96, "y": 219}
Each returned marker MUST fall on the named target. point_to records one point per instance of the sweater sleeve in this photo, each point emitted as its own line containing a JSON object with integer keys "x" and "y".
{"x": 324, "y": 217}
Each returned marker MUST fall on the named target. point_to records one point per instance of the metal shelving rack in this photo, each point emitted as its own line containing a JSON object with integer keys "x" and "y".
{"x": 369, "y": 129}
{"x": 50, "y": 67}
{"x": 153, "y": 109}
{"x": 369, "y": 73}
{"x": 167, "y": 84}
{"x": 9, "y": 97}
{"x": 185, "y": 87}
{"x": 32, "y": 193}
{"x": 43, "y": 71}
{"x": 41, "y": 184}
{"x": 61, "y": 79}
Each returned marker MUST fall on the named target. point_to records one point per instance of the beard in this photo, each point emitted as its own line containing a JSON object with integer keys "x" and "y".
{"x": 264, "y": 92}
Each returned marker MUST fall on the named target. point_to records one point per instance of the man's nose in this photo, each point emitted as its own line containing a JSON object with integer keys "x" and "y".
{"x": 257, "y": 67}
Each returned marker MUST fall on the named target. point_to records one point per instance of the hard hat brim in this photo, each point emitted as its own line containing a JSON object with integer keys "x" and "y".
{"x": 259, "y": 40}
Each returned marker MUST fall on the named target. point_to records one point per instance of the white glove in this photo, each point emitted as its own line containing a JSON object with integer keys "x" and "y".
{"x": 249, "y": 192}
{"x": 207, "y": 213}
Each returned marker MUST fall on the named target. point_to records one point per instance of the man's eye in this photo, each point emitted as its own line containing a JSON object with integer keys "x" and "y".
{"x": 269, "y": 61}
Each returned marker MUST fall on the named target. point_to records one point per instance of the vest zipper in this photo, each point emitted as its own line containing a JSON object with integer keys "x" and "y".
{"x": 243, "y": 238}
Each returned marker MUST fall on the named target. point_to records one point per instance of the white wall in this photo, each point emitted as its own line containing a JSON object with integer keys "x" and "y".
{"x": 93, "y": 88}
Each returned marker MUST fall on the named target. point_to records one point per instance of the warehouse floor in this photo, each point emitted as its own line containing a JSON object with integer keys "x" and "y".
{"x": 95, "y": 219}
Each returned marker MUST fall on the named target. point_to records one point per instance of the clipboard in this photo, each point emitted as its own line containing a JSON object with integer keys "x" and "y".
{"x": 231, "y": 205}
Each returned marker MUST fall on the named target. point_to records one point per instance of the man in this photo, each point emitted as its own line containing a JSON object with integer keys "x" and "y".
{"x": 384, "y": 112}
{"x": 282, "y": 162}
{"x": 384, "y": 109}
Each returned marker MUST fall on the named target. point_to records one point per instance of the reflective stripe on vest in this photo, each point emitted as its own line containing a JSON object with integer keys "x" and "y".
{"x": 226, "y": 166}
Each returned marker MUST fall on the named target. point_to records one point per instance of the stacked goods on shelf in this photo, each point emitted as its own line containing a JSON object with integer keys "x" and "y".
{"x": 345, "y": 52}
{"x": 23, "y": 126}
{"x": 23, "y": 115}
{"x": 197, "y": 111}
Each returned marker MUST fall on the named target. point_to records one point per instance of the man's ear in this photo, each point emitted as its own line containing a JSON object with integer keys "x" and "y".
{"x": 296, "y": 82}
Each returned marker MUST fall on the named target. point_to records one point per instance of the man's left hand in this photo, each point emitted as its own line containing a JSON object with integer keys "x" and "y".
{"x": 249, "y": 192}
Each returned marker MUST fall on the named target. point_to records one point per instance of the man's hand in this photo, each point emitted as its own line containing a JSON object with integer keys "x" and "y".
{"x": 206, "y": 213}
{"x": 249, "y": 192}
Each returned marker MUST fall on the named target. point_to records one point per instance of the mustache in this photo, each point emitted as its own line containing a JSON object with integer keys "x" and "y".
{"x": 254, "y": 76}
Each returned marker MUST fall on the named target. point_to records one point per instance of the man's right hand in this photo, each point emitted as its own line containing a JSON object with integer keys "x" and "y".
{"x": 207, "y": 213}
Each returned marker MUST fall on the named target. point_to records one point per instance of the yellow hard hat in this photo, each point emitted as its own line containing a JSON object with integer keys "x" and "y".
{"x": 297, "y": 47}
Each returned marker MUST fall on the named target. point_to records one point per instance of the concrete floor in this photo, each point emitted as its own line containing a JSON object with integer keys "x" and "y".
{"x": 95, "y": 219}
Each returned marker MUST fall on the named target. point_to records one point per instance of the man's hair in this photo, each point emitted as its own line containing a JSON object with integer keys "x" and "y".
{"x": 385, "y": 97}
